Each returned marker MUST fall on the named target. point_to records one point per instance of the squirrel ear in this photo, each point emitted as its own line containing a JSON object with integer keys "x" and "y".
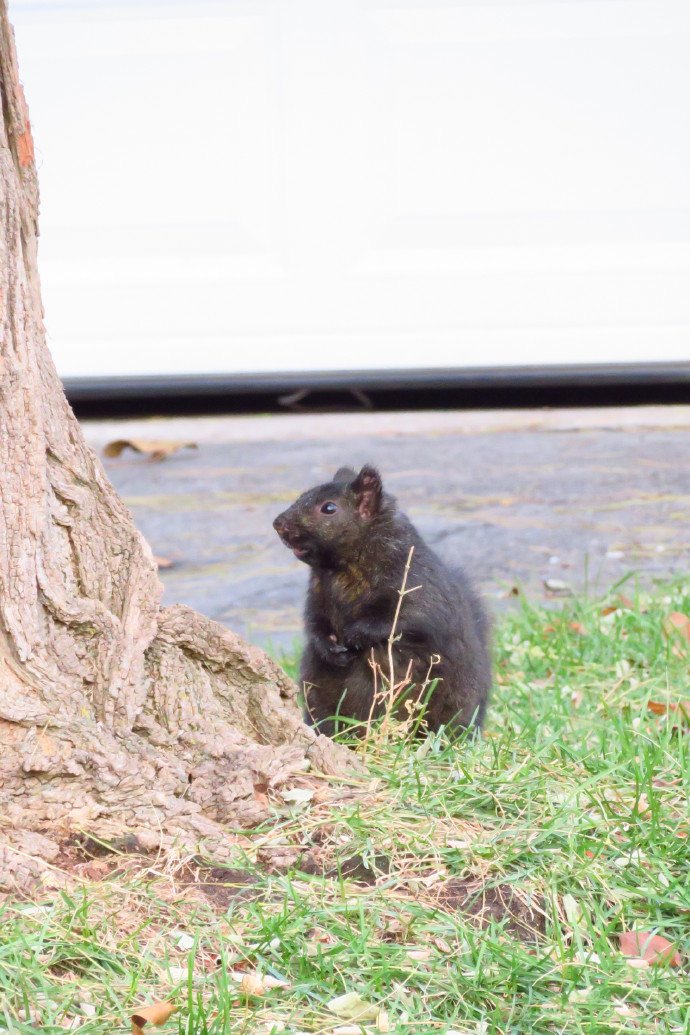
{"x": 368, "y": 488}
{"x": 344, "y": 474}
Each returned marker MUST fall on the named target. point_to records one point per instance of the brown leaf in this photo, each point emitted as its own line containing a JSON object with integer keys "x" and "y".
{"x": 163, "y": 562}
{"x": 653, "y": 948}
{"x": 678, "y": 622}
{"x": 680, "y": 708}
{"x": 156, "y": 1013}
{"x": 153, "y": 448}
{"x": 578, "y": 627}
{"x": 252, "y": 984}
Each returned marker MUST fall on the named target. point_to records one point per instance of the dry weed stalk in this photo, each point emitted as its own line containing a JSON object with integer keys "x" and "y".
{"x": 388, "y": 690}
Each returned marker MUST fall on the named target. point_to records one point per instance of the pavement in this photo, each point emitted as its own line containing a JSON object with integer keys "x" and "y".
{"x": 523, "y": 500}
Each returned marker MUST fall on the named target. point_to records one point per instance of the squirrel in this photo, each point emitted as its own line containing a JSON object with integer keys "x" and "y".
{"x": 357, "y": 544}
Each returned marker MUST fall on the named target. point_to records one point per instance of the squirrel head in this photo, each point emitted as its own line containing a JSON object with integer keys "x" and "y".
{"x": 327, "y": 526}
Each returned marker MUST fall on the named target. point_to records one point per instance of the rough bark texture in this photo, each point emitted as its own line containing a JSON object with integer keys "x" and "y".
{"x": 114, "y": 713}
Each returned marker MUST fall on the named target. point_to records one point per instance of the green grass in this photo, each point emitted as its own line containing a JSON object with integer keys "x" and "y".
{"x": 571, "y": 817}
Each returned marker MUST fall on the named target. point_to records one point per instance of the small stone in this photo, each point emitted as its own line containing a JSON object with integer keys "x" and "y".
{"x": 558, "y": 587}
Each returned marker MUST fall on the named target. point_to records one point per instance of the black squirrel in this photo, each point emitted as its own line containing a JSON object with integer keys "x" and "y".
{"x": 357, "y": 544}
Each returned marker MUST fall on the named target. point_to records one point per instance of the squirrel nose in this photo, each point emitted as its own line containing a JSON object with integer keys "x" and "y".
{"x": 280, "y": 524}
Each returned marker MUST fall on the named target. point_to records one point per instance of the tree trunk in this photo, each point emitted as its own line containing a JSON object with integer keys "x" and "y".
{"x": 114, "y": 713}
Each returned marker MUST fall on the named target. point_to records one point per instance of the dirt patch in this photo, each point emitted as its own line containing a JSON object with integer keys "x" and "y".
{"x": 357, "y": 868}
{"x": 83, "y": 848}
{"x": 83, "y": 858}
{"x": 88, "y": 859}
{"x": 523, "y": 916}
{"x": 219, "y": 885}
{"x": 353, "y": 867}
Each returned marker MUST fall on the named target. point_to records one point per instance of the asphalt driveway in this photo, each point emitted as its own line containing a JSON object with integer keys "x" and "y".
{"x": 520, "y": 498}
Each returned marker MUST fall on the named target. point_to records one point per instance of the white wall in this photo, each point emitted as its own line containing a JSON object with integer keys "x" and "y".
{"x": 331, "y": 184}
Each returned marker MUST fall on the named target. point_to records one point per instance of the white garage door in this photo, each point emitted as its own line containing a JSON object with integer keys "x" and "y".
{"x": 277, "y": 185}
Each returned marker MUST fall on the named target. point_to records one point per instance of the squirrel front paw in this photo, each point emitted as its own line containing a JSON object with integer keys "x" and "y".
{"x": 338, "y": 653}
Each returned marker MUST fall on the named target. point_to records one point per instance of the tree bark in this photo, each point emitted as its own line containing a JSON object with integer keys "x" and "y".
{"x": 114, "y": 713}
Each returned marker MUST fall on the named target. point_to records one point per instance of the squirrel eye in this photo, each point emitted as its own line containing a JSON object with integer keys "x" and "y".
{"x": 328, "y": 508}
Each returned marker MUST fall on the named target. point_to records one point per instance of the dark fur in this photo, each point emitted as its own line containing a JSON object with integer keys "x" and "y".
{"x": 358, "y": 556}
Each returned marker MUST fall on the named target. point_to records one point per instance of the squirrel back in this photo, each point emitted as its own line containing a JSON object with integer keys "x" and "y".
{"x": 358, "y": 545}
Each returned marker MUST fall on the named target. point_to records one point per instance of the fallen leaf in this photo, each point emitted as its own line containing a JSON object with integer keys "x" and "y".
{"x": 153, "y": 448}
{"x": 298, "y": 795}
{"x": 642, "y": 805}
{"x": 653, "y": 948}
{"x": 272, "y": 982}
{"x": 578, "y": 627}
{"x": 680, "y": 708}
{"x": 32, "y": 1015}
{"x": 164, "y": 562}
{"x": 178, "y": 973}
{"x": 352, "y": 1007}
{"x": 572, "y": 910}
{"x": 634, "y": 858}
{"x": 319, "y": 936}
{"x": 586, "y": 956}
{"x": 252, "y": 985}
{"x": 156, "y": 1014}
{"x": 382, "y": 1021}
{"x": 678, "y": 622}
